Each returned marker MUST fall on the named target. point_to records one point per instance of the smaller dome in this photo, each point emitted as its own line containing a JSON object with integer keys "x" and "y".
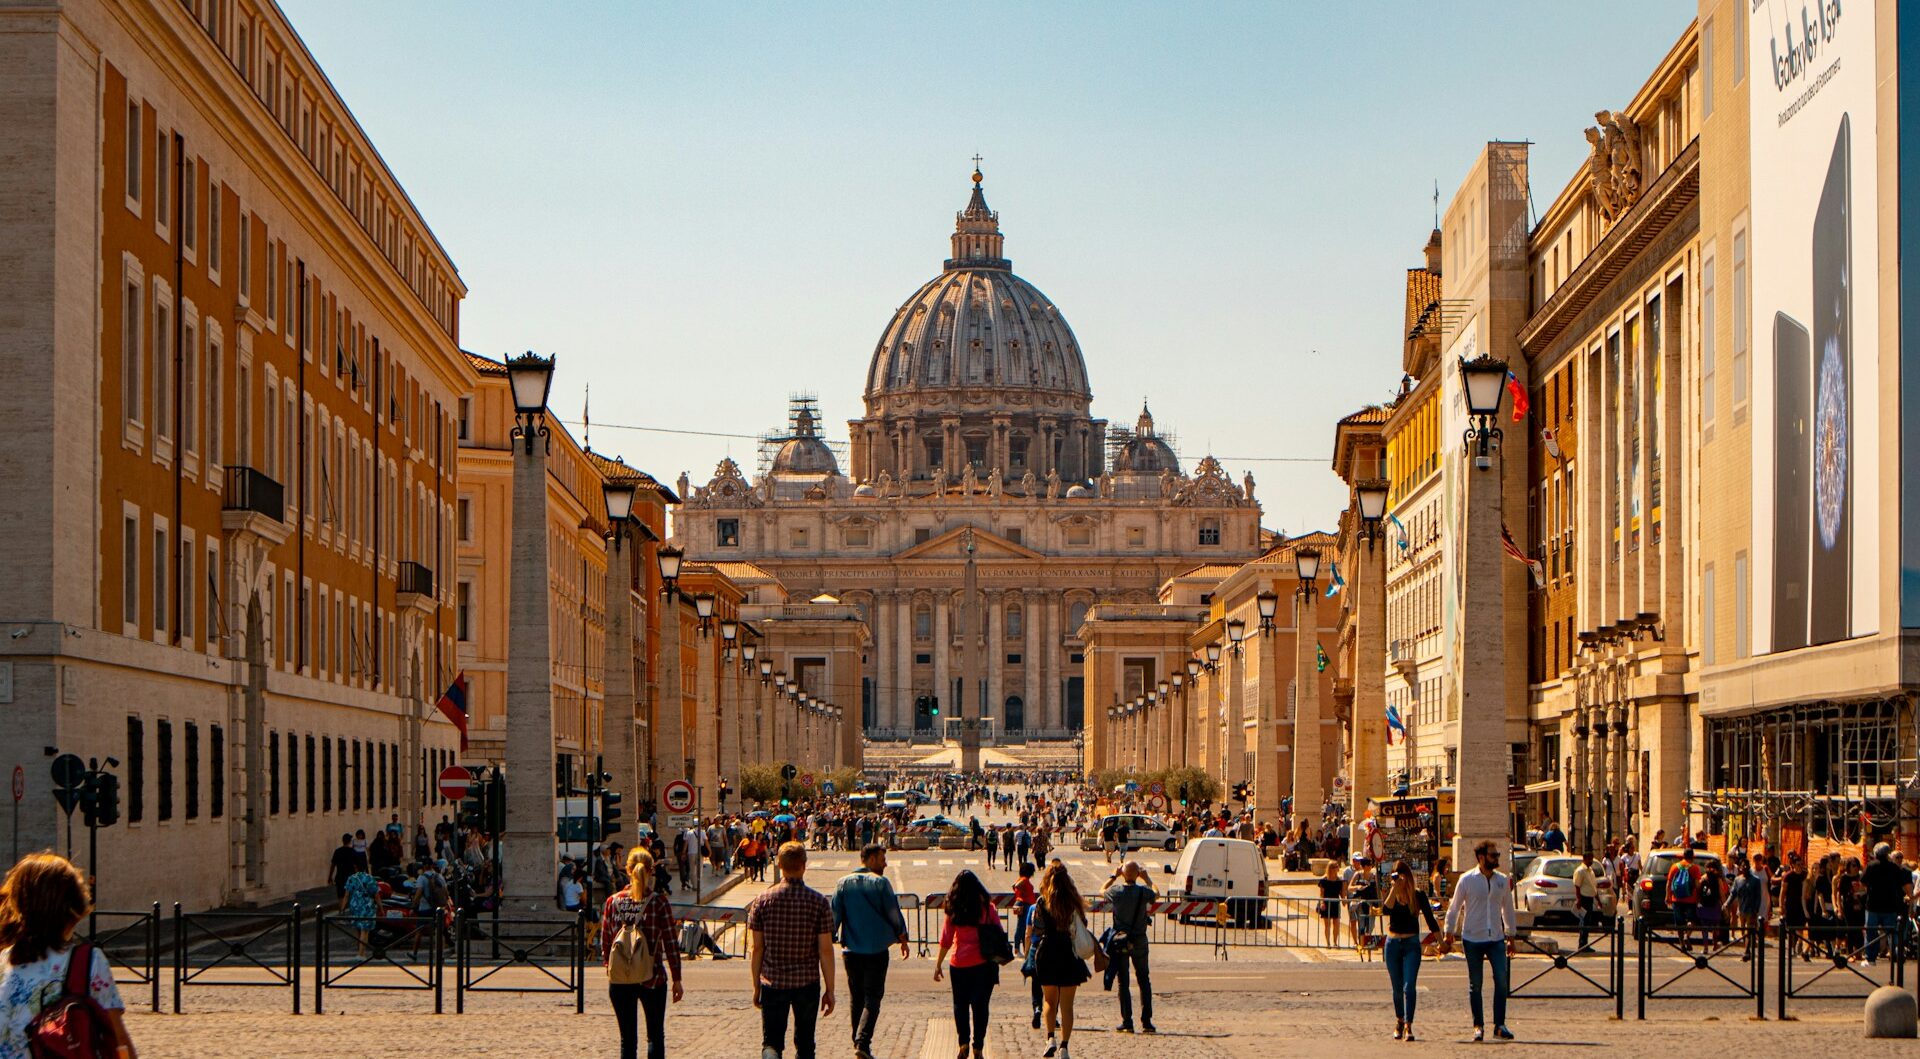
{"x": 865, "y": 490}
{"x": 1145, "y": 452}
{"x": 1078, "y": 492}
{"x": 805, "y": 456}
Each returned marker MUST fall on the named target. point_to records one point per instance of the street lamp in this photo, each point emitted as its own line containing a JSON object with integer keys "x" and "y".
{"x": 1371, "y": 496}
{"x": 1306, "y": 562}
{"x": 1269, "y": 603}
{"x": 1178, "y": 680}
{"x": 729, "y": 633}
{"x": 766, "y": 671}
{"x": 1163, "y": 689}
{"x": 747, "y": 653}
{"x": 669, "y": 559}
{"x": 1193, "y": 669}
{"x": 1213, "y": 655}
{"x": 1484, "y": 379}
{"x": 703, "y": 607}
{"x": 1236, "y": 632}
{"x": 619, "y": 500}
{"x": 530, "y": 376}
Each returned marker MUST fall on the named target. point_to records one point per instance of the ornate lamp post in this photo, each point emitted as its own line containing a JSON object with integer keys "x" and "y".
{"x": 1269, "y": 604}
{"x": 1309, "y": 779}
{"x": 528, "y": 845}
{"x": 1367, "y": 592}
{"x": 668, "y": 730}
{"x": 619, "y": 745}
{"x": 1482, "y": 812}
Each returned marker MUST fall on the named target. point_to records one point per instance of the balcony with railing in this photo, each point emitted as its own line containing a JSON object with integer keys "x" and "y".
{"x": 413, "y": 585}
{"x": 253, "y": 503}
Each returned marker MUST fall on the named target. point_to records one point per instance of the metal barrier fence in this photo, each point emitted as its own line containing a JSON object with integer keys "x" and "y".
{"x": 246, "y": 955}
{"x": 1571, "y": 963}
{"x": 131, "y": 943}
{"x": 536, "y": 944}
{"x": 373, "y": 956}
{"x": 1707, "y": 956}
{"x": 1833, "y": 971}
{"x": 723, "y": 930}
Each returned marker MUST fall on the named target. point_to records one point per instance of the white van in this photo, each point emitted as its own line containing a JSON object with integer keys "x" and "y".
{"x": 1229, "y": 869}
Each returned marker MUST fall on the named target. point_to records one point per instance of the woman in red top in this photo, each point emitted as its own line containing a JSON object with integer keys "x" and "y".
{"x": 643, "y": 906}
{"x": 969, "y": 907}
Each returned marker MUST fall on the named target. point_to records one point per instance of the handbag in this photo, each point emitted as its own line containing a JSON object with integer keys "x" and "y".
{"x": 994, "y": 945}
{"x": 1085, "y": 947}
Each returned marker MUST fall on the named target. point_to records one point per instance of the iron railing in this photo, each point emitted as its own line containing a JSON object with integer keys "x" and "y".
{"x": 251, "y": 490}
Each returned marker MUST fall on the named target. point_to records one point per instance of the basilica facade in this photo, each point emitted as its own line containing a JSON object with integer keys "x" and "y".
{"x": 978, "y": 444}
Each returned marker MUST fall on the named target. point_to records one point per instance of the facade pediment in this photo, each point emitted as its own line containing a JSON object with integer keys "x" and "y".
{"x": 987, "y": 547}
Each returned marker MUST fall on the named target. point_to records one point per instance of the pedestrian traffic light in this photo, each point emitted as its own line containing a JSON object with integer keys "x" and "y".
{"x": 609, "y": 813}
{"x": 100, "y": 799}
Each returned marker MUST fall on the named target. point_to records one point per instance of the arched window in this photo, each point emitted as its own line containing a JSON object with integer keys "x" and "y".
{"x": 1076, "y": 616}
{"x": 1016, "y": 625}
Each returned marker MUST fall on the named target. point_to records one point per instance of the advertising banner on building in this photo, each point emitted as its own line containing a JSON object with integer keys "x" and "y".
{"x": 1810, "y": 253}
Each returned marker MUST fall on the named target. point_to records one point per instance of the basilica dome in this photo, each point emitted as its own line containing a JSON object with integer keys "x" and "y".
{"x": 977, "y": 334}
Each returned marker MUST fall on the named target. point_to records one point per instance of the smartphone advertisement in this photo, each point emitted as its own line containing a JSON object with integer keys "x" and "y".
{"x": 1815, "y": 357}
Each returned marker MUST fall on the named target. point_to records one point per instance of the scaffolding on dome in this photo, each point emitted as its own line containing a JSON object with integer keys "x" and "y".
{"x": 1119, "y": 437}
{"x": 803, "y": 420}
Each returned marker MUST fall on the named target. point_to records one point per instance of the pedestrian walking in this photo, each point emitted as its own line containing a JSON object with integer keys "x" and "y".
{"x": 640, "y": 948}
{"x": 1405, "y": 905}
{"x": 1131, "y": 896}
{"x": 1109, "y": 837}
{"x": 1331, "y": 887}
{"x": 792, "y": 956}
{"x": 1586, "y": 895}
{"x": 1007, "y": 847}
{"x": 1481, "y": 917}
{"x": 866, "y": 912}
{"x": 1061, "y": 945}
{"x": 42, "y": 902}
{"x": 970, "y": 913}
{"x": 1889, "y": 887}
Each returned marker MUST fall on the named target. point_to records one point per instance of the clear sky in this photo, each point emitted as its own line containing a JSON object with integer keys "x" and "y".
{"x": 702, "y": 208}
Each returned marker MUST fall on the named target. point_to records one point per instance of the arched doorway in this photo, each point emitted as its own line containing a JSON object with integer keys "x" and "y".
{"x": 1014, "y": 717}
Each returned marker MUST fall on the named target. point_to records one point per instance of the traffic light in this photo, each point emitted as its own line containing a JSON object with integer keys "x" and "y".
{"x": 497, "y": 806}
{"x": 473, "y": 808}
{"x": 1240, "y": 791}
{"x": 920, "y": 707}
{"x": 609, "y": 812}
{"x": 933, "y": 704}
{"x": 100, "y": 799}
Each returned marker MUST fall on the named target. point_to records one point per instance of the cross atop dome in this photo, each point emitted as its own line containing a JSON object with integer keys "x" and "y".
{"x": 977, "y": 242}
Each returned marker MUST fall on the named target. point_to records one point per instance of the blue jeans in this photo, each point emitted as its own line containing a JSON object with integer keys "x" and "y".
{"x": 1403, "y": 975}
{"x": 1495, "y": 953}
{"x": 1882, "y": 929}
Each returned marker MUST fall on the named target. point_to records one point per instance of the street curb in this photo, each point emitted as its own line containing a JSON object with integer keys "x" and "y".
{"x": 720, "y": 889}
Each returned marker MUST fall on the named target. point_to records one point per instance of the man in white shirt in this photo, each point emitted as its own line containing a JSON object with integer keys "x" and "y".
{"x": 1481, "y": 916}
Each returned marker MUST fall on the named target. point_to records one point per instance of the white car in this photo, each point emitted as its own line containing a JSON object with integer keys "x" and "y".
{"x": 1545, "y": 889}
{"x": 1143, "y": 832}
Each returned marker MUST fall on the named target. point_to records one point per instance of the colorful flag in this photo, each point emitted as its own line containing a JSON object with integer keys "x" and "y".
{"x": 1399, "y": 532}
{"x": 1319, "y": 659}
{"x": 1534, "y": 566}
{"x": 1394, "y": 723}
{"x": 454, "y": 704}
{"x": 1519, "y": 393}
{"x": 1337, "y": 583}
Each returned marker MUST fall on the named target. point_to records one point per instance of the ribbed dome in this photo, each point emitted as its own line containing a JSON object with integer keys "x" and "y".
{"x": 977, "y": 325}
{"x": 804, "y": 452}
{"x": 1145, "y": 452}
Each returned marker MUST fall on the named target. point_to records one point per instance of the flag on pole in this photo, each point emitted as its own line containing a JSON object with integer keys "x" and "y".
{"x": 1337, "y": 583}
{"x": 1534, "y": 566}
{"x": 1394, "y": 723}
{"x": 1519, "y": 393}
{"x": 453, "y": 703}
{"x": 1319, "y": 659}
{"x": 1399, "y": 532}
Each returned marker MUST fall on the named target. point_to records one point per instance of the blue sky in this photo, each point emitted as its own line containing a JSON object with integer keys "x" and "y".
{"x": 702, "y": 208}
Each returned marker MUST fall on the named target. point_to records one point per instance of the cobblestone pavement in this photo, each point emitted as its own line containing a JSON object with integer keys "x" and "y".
{"x": 1242, "y": 1008}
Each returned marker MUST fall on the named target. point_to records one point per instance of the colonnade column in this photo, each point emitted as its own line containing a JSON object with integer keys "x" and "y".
{"x": 883, "y": 681}
{"x": 994, "y": 706}
{"x": 903, "y": 689}
{"x": 1036, "y": 717}
{"x": 943, "y": 660}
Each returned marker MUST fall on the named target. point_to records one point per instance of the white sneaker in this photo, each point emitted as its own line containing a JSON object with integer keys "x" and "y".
{"x": 1063, "y": 1051}
{"x": 1052, "y": 1047}
{"x": 769, "y": 1053}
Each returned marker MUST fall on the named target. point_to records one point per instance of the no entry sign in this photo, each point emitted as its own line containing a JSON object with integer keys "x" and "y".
{"x": 454, "y": 781}
{"x": 677, "y": 796}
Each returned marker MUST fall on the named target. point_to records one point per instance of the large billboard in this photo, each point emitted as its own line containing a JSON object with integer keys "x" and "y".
{"x": 1811, "y": 254}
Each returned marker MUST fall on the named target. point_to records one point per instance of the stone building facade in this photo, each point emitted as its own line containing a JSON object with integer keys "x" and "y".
{"x": 977, "y": 426}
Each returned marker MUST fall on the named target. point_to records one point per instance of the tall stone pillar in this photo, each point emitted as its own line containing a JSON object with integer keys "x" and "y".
{"x": 1367, "y": 590}
{"x": 1481, "y": 785}
{"x": 970, "y": 662}
{"x": 943, "y": 662}
{"x": 731, "y": 718}
{"x": 1268, "y": 785}
{"x": 1309, "y": 771}
{"x": 668, "y": 729}
{"x": 1036, "y": 718}
{"x": 1052, "y": 694}
{"x": 883, "y": 677}
{"x": 706, "y": 718}
{"x": 1234, "y": 745}
{"x": 530, "y": 854}
{"x": 995, "y": 699}
{"x": 904, "y": 690}
{"x": 619, "y": 755}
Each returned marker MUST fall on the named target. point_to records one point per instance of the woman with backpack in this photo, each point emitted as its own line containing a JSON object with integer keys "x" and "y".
{"x": 44, "y": 996}
{"x": 639, "y": 945}
{"x": 972, "y": 922}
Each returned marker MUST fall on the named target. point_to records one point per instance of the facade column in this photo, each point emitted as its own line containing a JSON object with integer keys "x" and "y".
{"x": 883, "y": 678}
{"x": 904, "y": 690}
{"x": 995, "y": 704}
{"x": 616, "y": 667}
{"x": 1052, "y": 654}
{"x": 942, "y": 662}
{"x": 529, "y": 849}
{"x": 1036, "y": 718}
{"x": 1367, "y": 588}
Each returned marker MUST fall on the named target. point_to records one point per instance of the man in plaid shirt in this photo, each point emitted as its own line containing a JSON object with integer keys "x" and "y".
{"x": 792, "y": 956}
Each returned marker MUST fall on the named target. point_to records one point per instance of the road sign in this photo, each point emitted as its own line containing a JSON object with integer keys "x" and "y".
{"x": 677, "y": 797}
{"x": 806, "y": 780}
{"x": 1156, "y": 802}
{"x": 1132, "y": 786}
{"x": 69, "y": 770}
{"x": 682, "y": 821}
{"x": 454, "y": 781}
{"x": 827, "y": 788}
{"x": 1156, "y": 787}
{"x": 19, "y": 783}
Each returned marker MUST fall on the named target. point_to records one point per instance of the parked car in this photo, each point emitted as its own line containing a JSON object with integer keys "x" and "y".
{"x": 1650, "y": 903}
{"x": 1143, "y": 832}
{"x": 1522, "y": 859}
{"x": 1545, "y": 889}
{"x": 896, "y": 800}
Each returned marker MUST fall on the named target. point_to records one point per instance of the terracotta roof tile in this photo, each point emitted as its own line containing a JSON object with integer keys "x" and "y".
{"x": 1423, "y": 296}
{"x": 485, "y": 365}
